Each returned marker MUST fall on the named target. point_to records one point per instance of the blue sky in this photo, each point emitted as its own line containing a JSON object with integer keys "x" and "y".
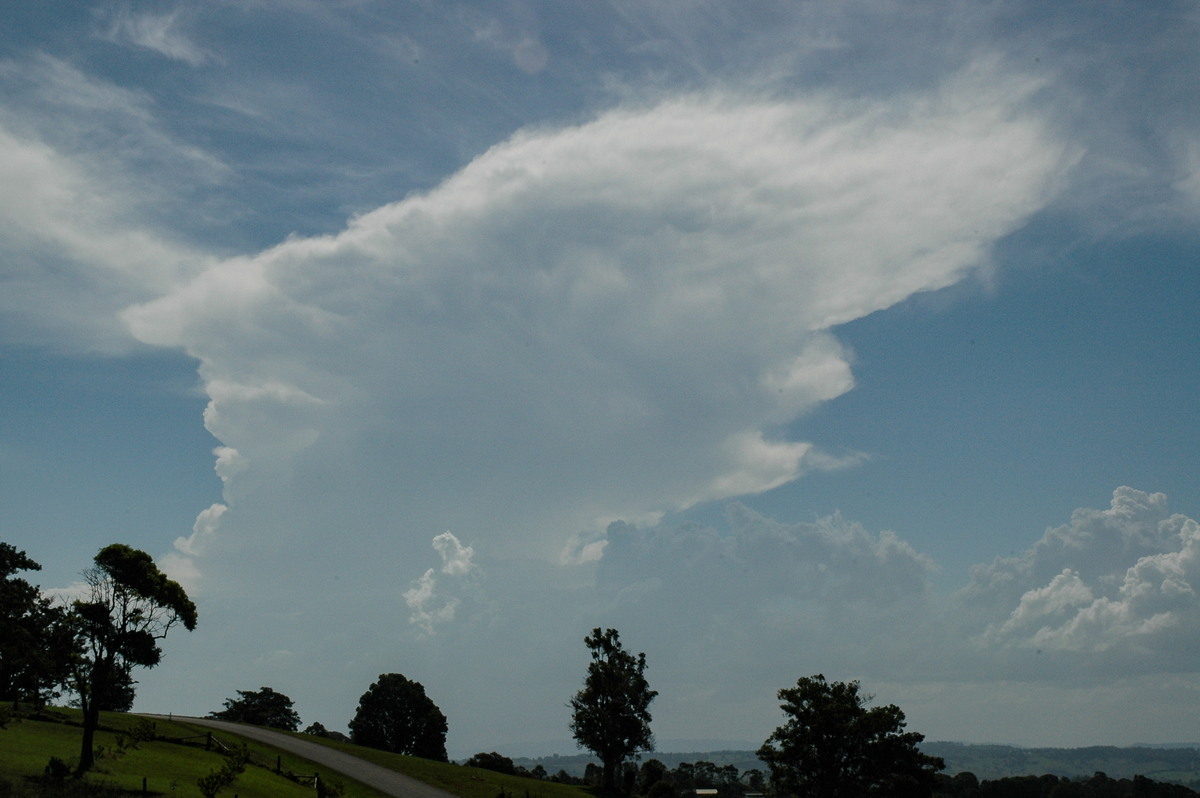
{"x": 855, "y": 338}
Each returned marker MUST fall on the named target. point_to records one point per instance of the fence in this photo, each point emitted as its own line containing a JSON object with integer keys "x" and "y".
{"x": 211, "y": 741}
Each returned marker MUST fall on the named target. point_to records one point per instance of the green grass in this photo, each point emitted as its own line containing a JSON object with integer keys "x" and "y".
{"x": 167, "y": 767}
{"x": 172, "y": 766}
{"x": 462, "y": 781}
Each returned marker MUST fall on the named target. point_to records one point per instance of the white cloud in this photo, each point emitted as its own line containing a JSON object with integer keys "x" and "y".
{"x": 1127, "y": 582}
{"x": 427, "y": 597}
{"x": 456, "y": 558}
{"x": 428, "y": 609}
{"x": 70, "y": 261}
{"x": 602, "y": 321}
{"x": 229, "y": 463}
{"x": 76, "y": 243}
{"x": 205, "y": 526}
{"x": 76, "y": 591}
{"x": 159, "y": 32}
{"x": 1065, "y": 594}
{"x": 180, "y": 564}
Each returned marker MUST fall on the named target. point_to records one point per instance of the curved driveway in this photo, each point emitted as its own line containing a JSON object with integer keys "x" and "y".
{"x": 382, "y": 779}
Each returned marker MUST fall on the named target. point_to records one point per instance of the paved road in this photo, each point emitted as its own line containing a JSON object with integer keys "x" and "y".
{"x": 382, "y": 779}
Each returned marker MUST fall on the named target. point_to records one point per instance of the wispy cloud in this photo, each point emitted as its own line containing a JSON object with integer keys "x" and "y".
{"x": 158, "y": 31}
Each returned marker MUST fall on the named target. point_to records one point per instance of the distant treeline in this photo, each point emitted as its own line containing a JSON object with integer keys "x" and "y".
{"x": 986, "y": 762}
{"x": 1099, "y": 785}
{"x": 576, "y": 764}
{"x": 651, "y": 778}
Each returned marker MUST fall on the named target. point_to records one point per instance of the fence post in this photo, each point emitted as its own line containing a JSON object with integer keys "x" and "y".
{"x": 208, "y": 741}
{"x": 144, "y": 790}
{"x": 278, "y": 764}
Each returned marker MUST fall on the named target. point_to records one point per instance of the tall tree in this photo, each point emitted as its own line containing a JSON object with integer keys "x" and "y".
{"x": 35, "y": 644}
{"x": 610, "y": 715}
{"x": 130, "y": 606}
{"x": 396, "y": 715}
{"x": 833, "y": 746}
{"x": 263, "y": 707}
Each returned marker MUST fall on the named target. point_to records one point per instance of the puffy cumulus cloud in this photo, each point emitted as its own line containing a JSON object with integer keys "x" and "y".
{"x": 229, "y": 463}
{"x": 456, "y": 558}
{"x": 1096, "y": 544}
{"x": 1121, "y": 579}
{"x": 423, "y": 600}
{"x": 600, "y": 321}
{"x": 429, "y": 603}
{"x": 180, "y": 564}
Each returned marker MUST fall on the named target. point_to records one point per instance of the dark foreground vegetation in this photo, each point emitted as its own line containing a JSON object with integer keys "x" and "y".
{"x": 832, "y": 744}
{"x": 1097, "y": 786}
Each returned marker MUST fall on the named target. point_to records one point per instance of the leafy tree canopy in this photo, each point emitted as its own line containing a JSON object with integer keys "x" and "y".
{"x": 611, "y": 714}
{"x": 319, "y": 730}
{"x": 130, "y": 606}
{"x": 35, "y": 641}
{"x": 492, "y": 761}
{"x": 396, "y": 715}
{"x": 832, "y": 745}
{"x": 262, "y": 707}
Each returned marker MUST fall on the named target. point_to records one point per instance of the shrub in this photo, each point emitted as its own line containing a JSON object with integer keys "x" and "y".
{"x": 56, "y": 770}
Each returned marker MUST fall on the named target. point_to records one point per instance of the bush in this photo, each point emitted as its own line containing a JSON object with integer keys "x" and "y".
{"x": 492, "y": 761}
{"x": 222, "y": 777}
{"x": 56, "y": 770}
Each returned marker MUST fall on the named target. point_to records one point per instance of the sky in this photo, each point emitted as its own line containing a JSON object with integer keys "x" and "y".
{"x": 855, "y": 338}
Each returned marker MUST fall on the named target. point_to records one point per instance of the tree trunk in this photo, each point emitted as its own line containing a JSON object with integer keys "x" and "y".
{"x": 91, "y": 721}
{"x": 612, "y": 766}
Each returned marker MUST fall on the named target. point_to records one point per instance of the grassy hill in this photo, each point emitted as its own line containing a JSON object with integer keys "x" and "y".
{"x": 167, "y": 757}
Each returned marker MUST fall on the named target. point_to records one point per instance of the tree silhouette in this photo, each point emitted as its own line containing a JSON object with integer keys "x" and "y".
{"x": 396, "y": 715}
{"x": 130, "y": 606}
{"x": 263, "y": 707}
{"x": 35, "y": 642}
{"x": 833, "y": 746}
{"x": 610, "y": 715}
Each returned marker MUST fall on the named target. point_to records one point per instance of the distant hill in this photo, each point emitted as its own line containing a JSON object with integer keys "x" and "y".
{"x": 1179, "y": 764}
{"x": 576, "y": 764}
{"x": 1161, "y": 763}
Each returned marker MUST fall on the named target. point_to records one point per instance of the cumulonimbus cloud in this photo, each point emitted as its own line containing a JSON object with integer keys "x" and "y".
{"x": 607, "y": 320}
